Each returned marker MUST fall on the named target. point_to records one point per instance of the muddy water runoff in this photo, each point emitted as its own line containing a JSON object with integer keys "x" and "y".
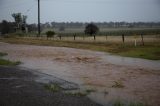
{"x": 109, "y": 77}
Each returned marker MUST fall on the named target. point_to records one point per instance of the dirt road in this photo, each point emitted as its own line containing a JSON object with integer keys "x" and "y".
{"x": 111, "y": 77}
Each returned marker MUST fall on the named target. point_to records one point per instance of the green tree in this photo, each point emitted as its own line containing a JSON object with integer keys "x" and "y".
{"x": 23, "y": 27}
{"x": 50, "y": 34}
{"x": 20, "y": 20}
{"x": 5, "y": 27}
{"x": 91, "y": 29}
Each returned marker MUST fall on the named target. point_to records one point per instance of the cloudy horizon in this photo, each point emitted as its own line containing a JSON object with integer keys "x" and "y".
{"x": 83, "y": 10}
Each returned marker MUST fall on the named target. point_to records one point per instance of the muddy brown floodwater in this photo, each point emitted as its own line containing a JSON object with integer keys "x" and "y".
{"x": 110, "y": 77}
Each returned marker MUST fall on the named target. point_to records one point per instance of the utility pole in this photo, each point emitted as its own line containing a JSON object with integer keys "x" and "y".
{"x": 39, "y": 27}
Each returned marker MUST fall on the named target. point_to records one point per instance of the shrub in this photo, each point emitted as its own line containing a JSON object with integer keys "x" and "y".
{"x": 50, "y": 34}
{"x": 53, "y": 87}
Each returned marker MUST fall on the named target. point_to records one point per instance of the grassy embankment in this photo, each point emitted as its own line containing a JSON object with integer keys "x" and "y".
{"x": 151, "y": 50}
{"x": 7, "y": 62}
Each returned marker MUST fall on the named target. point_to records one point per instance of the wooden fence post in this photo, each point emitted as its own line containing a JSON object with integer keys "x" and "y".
{"x": 106, "y": 37}
{"x": 142, "y": 39}
{"x": 94, "y": 37}
{"x": 74, "y": 36}
{"x": 123, "y": 38}
{"x": 135, "y": 42}
{"x": 60, "y": 37}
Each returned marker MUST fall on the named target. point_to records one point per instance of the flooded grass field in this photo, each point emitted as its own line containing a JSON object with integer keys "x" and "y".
{"x": 108, "y": 78}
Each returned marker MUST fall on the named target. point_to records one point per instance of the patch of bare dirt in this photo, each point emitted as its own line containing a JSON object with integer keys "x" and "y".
{"x": 77, "y": 59}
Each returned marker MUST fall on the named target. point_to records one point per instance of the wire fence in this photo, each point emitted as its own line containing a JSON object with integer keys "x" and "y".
{"x": 135, "y": 39}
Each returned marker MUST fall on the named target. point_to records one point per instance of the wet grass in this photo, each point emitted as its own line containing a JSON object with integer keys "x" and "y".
{"x": 136, "y": 104}
{"x": 151, "y": 50}
{"x": 118, "y": 103}
{"x": 121, "y": 103}
{"x": 90, "y": 91}
{"x": 3, "y": 54}
{"x": 57, "y": 88}
{"x": 7, "y": 62}
{"x": 79, "y": 94}
{"x": 53, "y": 87}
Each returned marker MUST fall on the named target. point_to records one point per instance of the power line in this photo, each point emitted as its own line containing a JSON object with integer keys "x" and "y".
{"x": 80, "y": 1}
{"x": 28, "y": 9}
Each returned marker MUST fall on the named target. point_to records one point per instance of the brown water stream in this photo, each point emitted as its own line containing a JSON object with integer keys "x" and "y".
{"x": 138, "y": 79}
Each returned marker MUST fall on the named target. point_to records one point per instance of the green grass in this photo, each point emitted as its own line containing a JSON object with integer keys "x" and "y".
{"x": 2, "y": 54}
{"x": 90, "y": 91}
{"x": 57, "y": 88}
{"x": 79, "y": 94}
{"x": 151, "y": 50}
{"x": 136, "y": 104}
{"x": 7, "y": 62}
{"x": 53, "y": 87}
{"x": 120, "y": 103}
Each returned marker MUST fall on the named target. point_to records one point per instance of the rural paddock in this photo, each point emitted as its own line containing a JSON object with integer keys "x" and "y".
{"x": 115, "y": 39}
{"x": 129, "y": 80}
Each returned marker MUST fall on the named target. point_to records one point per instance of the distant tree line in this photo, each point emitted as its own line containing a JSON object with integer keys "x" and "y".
{"x": 11, "y": 27}
{"x": 20, "y": 23}
{"x": 100, "y": 24}
{"x": 7, "y": 27}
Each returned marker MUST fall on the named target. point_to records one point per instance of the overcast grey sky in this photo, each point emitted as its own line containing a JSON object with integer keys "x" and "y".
{"x": 83, "y": 10}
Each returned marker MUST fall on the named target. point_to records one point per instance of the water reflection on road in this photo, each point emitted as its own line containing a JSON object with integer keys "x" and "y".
{"x": 135, "y": 62}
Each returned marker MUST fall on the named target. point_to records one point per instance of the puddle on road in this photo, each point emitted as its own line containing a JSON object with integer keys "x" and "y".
{"x": 135, "y": 62}
{"x": 94, "y": 71}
